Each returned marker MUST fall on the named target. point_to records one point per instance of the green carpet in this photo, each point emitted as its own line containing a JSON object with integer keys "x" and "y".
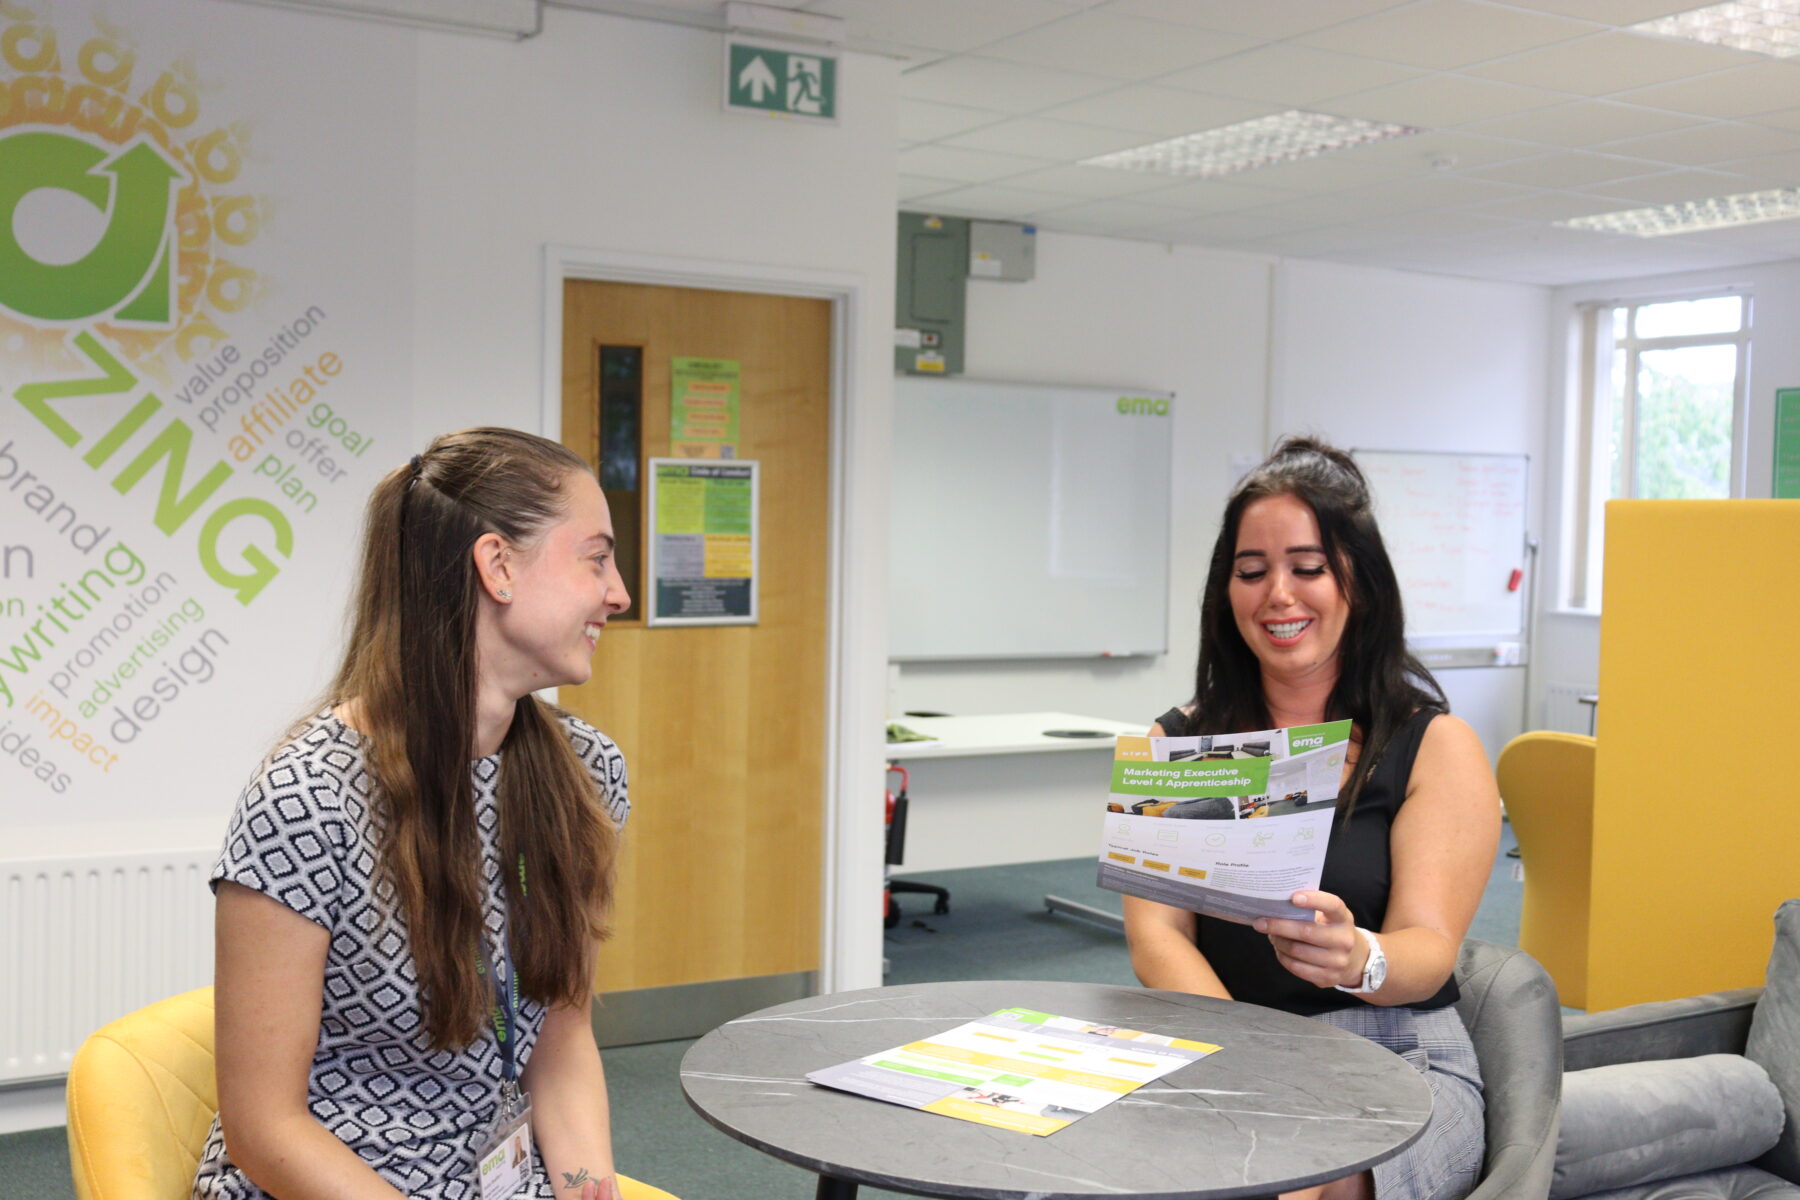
{"x": 997, "y": 928}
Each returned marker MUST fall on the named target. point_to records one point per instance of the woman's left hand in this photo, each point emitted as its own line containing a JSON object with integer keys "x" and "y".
{"x": 1326, "y": 951}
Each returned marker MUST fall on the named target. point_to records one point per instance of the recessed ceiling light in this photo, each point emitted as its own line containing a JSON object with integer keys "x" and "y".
{"x": 1247, "y": 145}
{"x": 1693, "y": 216}
{"x": 1760, "y": 26}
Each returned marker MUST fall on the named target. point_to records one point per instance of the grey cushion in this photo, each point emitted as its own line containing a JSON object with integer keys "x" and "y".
{"x": 1639, "y": 1122}
{"x": 1732, "y": 1183}
{"x": 1509, "y": 1006}
{"x": 1775, "y": 1037}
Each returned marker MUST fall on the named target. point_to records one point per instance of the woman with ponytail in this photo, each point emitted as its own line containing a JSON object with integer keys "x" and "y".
{"x": 1301, "y": 623}
{"x": 415, "y": 881}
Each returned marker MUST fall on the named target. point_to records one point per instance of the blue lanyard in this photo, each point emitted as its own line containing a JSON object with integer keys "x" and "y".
{"x": 506, "y": 1017}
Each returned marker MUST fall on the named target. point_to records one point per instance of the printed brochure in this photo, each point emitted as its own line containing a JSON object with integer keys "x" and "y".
{"x": 1016, "y": 1069}
{"x": 1230, "y": 825}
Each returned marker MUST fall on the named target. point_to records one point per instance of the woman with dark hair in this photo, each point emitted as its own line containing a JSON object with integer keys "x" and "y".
{"x": 1300, "y": 624}
{"x": 415, "y": 881}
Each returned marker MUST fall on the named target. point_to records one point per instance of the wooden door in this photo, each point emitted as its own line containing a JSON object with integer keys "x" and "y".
{"x": 723, "y": 727}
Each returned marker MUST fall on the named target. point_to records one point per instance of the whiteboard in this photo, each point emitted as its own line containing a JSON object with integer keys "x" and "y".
{"x": 1028, "y": 521}
{"x": 1454, "y": 525}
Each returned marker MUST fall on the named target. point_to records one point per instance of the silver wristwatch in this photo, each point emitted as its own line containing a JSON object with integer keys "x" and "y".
{"x": 1374, "y": 971}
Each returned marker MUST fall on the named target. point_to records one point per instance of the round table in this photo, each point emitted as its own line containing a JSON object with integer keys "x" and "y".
{"x": 1286, "y": 1103}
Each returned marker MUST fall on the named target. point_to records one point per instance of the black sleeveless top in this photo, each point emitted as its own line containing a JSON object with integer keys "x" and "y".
{"x": 1357, "y": 870}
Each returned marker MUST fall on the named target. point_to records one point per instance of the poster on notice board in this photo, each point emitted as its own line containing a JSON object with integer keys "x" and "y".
{"x": 703, "y": 542}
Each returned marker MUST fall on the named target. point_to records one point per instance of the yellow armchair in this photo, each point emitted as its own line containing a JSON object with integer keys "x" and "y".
{"x": 1547, "y": 782}
{"x": 141, "y": 1101}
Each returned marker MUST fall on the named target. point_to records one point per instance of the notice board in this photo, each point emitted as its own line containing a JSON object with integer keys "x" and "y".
{"x": 1455, "y": 529}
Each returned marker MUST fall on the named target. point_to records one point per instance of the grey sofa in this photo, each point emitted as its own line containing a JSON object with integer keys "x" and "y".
{"x": 1509, "y": 1006}
{"x": 1683, "y": 1122}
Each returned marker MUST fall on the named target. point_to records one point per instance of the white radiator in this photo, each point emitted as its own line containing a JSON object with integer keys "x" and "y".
{"x": 1563, "y": 709}
{"x": 86, "y": 940}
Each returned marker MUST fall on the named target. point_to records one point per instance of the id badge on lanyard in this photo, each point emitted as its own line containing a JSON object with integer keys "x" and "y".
{"x": 503, "y": 1160}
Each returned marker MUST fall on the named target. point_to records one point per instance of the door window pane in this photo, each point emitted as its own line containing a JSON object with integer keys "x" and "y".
{"x": 1684, "y": 402}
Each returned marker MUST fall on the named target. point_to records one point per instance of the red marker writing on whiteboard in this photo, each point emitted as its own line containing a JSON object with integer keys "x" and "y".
{"x": 1512, "y": 584}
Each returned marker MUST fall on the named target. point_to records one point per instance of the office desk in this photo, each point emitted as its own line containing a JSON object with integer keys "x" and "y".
{"x": 1286, "y": 1103}
{"x": 995, "y": 789}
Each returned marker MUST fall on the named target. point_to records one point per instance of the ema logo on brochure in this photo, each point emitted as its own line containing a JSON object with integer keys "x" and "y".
{"x": 1308, "y": 743}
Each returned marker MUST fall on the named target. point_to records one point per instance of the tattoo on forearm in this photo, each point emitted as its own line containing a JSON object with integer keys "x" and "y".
{"x": 591, "y": 1188}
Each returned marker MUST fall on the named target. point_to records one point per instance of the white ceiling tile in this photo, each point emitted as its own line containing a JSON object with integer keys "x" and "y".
{"x": 912, "y": 187}
{"x": 1102, "y": 43}
{"x": 1226, "y": 228}
{"x": 995, "y": 201}
{"x": 1437, "y": 101}
{"x": 1454, "y": 150}
{"x": 1707, "y": 144}
{"x": 1671, "y": 187}
{"x": 1610, "y": 12}
{"x": 1440, "y": 223}
{"x": 1569, "y": 169}
{"x": 1167, "y": 112}
{"x": 1783, "y": 169}
{"x": 1270, "y": 19}
{"x": 969, "y": 166}
{"x": 1546, "y": 206}
{"x": 1434, "y": 191}
{"x": 1785, "y": 119}
{"x": 1307, "y": 242}
{"x": 1611, "y": 62}
{"x": 953, "y": 25}
{"x": 1119, "y": 214}
{"x": 926, "y": 121}
{"x": 1089, "y": 183}
{"x": 1289, "y": 76}
{"x": 1583, "y": 123}
{"x": 1061, "y": 140}
{"x": 1213, "y": 196}
{"x": 1003, "y": 87}
{"x": 1740, "y": 92}
{"x": 1441, "y": 35}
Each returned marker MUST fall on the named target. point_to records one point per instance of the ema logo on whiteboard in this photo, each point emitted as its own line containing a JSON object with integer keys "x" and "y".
{"x": 1143, "y": 406}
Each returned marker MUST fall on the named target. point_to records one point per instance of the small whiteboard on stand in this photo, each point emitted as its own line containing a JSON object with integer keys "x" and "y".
{"x": 703, "y": 541}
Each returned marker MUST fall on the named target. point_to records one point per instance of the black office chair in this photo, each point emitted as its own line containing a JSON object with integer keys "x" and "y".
{"x": 896, "y": 854}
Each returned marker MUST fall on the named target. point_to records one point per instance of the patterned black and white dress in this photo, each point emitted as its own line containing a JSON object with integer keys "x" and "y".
{"x": 302, "y": 834}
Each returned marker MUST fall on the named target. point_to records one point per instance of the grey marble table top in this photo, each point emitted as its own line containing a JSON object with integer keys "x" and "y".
{"x": 1287, "y": 1103}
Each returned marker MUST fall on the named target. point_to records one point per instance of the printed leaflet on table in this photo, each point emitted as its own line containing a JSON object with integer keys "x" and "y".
{"x": 1230, "y": 825}
{"x": 1016, "y": 1069}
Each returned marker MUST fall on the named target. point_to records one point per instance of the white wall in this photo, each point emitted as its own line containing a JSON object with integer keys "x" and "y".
{"x": 1253, "y": 348}
{"x": 1571, "y": 640}
{"x": 1390, "y": 360}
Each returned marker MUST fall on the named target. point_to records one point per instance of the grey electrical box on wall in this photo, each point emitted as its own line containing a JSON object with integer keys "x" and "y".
{"x": 1002, "y": 250}
{"x": 932, "y": 288}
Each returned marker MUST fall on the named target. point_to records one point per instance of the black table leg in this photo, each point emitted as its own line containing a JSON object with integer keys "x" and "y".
{"x": 832, "y": 1188}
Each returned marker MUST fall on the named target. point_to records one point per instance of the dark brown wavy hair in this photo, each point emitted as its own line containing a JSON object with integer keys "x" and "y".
{"x": 410, "y": 667}
{"x": 1380, "y": 683}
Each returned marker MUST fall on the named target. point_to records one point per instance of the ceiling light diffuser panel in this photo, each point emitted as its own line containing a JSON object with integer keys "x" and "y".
{"x": 1769, "y": 27}
{"x": 1694, "y": 216}
{"x": 1262, "y": 142}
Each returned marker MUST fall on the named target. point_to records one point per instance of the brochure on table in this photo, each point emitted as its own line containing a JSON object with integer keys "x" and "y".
{"x": 1230, "y": 825}
{"x": 1016, "y": 1069}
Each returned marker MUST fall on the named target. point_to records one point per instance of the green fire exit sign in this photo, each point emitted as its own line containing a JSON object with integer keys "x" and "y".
{"x": 795, "y": 83}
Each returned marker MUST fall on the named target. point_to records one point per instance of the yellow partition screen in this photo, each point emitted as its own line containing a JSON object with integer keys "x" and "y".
{"x": 1696, "y": 803}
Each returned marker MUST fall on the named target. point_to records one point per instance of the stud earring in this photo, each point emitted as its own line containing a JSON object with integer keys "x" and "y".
{"x": 505, "y": 595}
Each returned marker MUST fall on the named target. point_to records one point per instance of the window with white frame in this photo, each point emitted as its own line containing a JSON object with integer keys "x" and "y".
{"x": 1661, "y": 413}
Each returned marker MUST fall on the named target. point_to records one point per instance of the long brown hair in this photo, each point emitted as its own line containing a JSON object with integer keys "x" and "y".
{"x": 410, "y": 666}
